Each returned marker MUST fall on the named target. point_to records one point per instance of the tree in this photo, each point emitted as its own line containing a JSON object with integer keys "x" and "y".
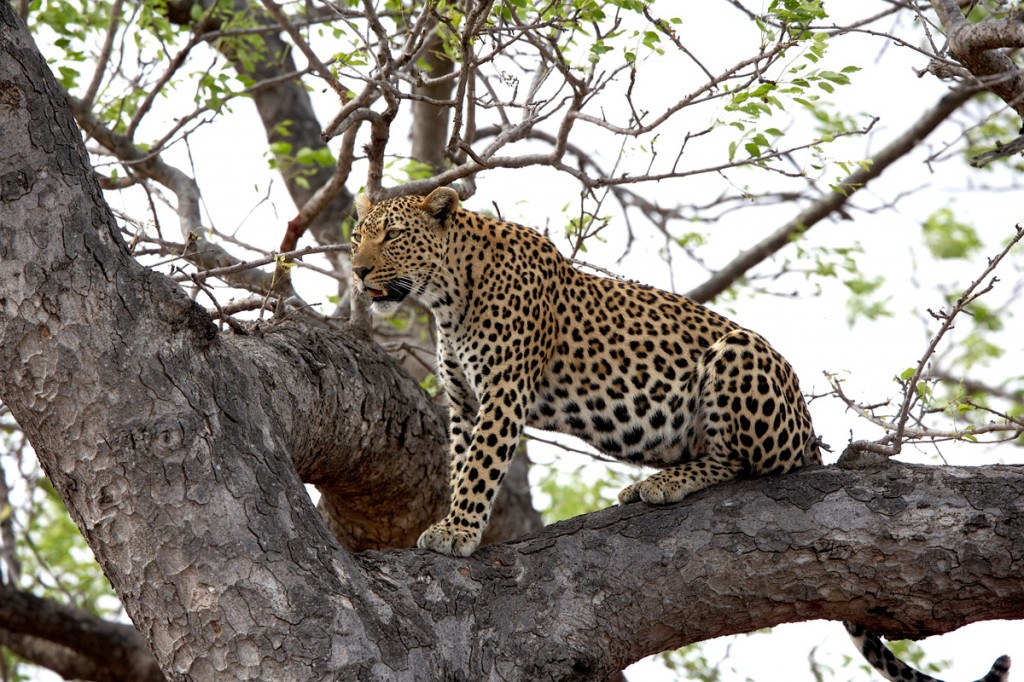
{"x": 179, "y": 437}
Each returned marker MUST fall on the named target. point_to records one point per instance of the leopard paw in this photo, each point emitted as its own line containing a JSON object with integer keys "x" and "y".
{"x": 630, "y": 493}
{"x": 444, "y": 538}
{"x": 654, "y": 490}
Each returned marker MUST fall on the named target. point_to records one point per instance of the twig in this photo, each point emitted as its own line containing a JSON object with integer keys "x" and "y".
{"x": 594, "y": 454}
{"x": 321, "y": 69}
{"x": 966, "y": 298}
{"x": 1001, "y": 151}
{"x": 157, "y": 88}
{"x": 1010, "y": 429}
{"x": 249, "y": 265}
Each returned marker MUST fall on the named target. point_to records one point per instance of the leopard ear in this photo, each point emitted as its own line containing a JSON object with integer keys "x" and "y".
{"x": 441, "y": 203}
{"x": 363, "y": 206}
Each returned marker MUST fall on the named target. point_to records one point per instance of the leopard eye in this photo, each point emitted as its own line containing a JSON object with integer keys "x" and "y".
{"x": 355, "y": 238}
{"x": 390, "y": 235}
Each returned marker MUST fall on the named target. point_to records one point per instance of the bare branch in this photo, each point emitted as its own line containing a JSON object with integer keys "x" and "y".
{"x": 1001, "y": 151}
{"x": 103, "y": 60}
{"x": 172, "y": 68}
{"x": 834, "y": 200}
{"x": 314, "y": 61}
{"x": 970, "y": 294}
{"x": 248, "y": 265}
{"x": 897, "y": 430}
{"x": 323, "y": 196}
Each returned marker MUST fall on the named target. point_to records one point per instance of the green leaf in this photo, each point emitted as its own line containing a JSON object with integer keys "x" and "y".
{"x": 861, "y": 286}
{"x": 430, "y": 384}
{"x": 68, "y": 76}
{"x": 280, "y": 148}
{"x": 315, "y": 157}
{"x": 839, "y": 78}
{"x": 946, "y": 237}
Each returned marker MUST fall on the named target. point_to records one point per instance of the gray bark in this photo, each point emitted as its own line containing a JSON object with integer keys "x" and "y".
{"x": 177, "y": 450}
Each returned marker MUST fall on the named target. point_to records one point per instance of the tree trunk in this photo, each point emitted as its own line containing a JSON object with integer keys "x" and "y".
{"x": 177, "y": 450}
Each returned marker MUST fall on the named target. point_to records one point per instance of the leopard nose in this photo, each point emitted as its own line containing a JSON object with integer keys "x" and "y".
{"x": 362, "y": 272}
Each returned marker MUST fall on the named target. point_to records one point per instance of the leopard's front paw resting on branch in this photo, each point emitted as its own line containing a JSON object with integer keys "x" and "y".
{"x": 444, "y": 538}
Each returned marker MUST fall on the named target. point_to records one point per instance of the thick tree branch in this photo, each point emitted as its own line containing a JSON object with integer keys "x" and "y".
{"x": 985, "y": 50}
{"x": 59, "y": 659}
{"x": 75, "y": 643}
{"x": 905, "y": 550}
{"x": 979, "y": 48}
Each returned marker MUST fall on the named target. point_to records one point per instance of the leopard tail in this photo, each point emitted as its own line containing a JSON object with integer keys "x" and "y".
{"x": 891, "y": 668}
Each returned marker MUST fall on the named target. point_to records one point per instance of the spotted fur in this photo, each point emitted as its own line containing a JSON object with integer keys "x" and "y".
{"x": 524, "y": 338}
{"x": 645, "y": 376}
{"x": 895, "y": 670}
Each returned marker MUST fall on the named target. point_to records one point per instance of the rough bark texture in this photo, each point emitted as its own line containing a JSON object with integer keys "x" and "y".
{"x": 176, "y": 449}
{"x": 980, "y": 48}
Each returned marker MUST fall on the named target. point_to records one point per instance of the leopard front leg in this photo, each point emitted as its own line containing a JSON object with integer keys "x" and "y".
{"x": 478, "y": 473}
{"x": 463, "y": 407}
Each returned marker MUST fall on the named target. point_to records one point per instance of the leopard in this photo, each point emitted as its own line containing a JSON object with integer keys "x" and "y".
{"x": 526, "y": 338}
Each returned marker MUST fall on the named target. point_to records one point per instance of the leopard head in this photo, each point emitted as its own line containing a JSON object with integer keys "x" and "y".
{"x": 398, "y": 245}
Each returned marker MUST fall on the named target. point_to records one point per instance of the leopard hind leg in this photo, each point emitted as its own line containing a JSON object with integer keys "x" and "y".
{"x": 718, "y": 444}
{"x": 674, "y": 483}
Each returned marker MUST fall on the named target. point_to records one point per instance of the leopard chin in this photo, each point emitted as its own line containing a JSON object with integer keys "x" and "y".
{"x": 383, "y": 307}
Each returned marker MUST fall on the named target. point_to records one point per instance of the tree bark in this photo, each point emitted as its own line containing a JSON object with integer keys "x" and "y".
{"x": 177, "y": 448}
{"x": 981, "y": 48}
